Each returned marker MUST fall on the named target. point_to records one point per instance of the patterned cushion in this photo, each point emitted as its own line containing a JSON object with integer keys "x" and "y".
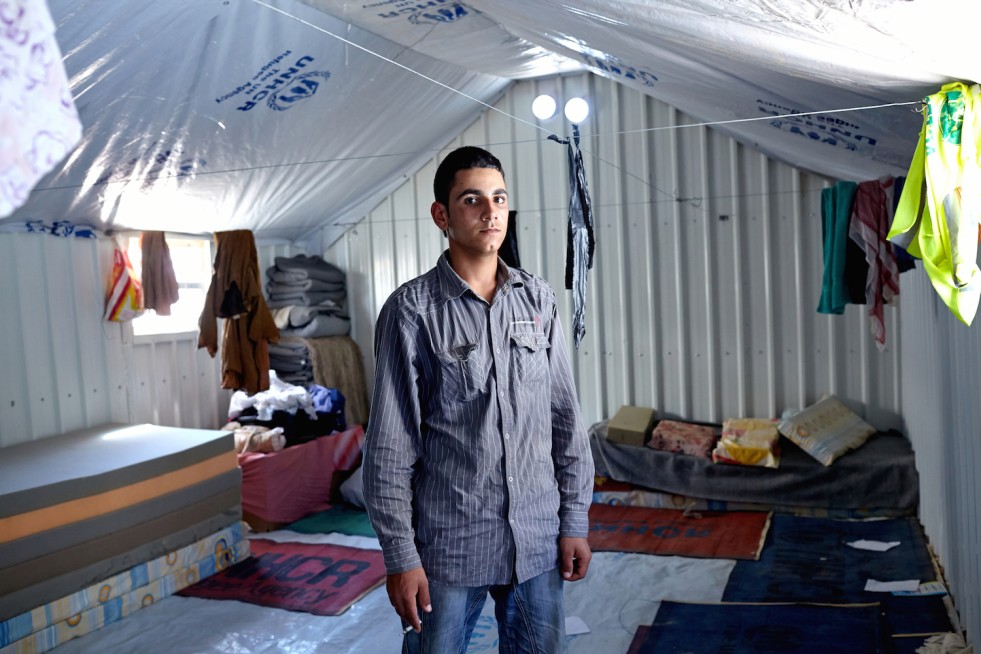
{"x": 748, "y": 442}
{"x": 826, "y": 430}
{"x": 683, "y": 438}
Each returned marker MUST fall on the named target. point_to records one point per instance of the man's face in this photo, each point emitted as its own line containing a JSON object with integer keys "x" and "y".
{"x": 476, "y": 217}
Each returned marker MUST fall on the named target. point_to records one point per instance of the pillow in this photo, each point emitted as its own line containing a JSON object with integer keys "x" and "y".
{"x": 683, "y": 438}
{"x": 352, "y": 489}
{"x": 826, "y": 430}
{"x": 748, "y": 442}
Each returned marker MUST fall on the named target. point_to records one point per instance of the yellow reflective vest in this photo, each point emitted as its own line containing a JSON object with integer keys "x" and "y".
{"x": 939, "y": 211}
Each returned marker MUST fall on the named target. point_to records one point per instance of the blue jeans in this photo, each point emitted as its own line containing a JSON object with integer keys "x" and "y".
{"x": 530, "y": 617}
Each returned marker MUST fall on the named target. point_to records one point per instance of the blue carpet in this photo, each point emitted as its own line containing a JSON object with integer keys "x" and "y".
{"x": 764, "y": 628}
{"x": 807, "y": 560}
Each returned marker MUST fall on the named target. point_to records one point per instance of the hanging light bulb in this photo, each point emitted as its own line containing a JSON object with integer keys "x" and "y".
{"x": 543, "y": 107}
{"x": 576, "y": 110}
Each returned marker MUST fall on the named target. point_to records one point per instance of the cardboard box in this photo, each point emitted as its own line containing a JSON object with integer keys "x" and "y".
{"x": 631, "y": 425}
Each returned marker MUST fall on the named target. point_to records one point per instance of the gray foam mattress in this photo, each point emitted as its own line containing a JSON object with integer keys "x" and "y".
{"x": 94, "y": 460}
{"x": 113, "y": 544}
{"x": 62, "y": 539}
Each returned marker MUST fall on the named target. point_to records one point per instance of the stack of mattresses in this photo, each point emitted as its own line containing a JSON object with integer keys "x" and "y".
{"x": 96, "y": 523}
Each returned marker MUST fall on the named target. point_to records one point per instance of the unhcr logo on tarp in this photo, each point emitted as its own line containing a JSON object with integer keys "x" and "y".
{"x": 303, "y": 87}
{"x": 279, "y": 85}
{"x": 829, "y": 130}
{"x": 616, "y": 66}
{"x": 433, "y": 12}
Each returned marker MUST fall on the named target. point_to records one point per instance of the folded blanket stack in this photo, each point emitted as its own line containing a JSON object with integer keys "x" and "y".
{"x": 291, "y": 360}
{"x": 308, "y": 298}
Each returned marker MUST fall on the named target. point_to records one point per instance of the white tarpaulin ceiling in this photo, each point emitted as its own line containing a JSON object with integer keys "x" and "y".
{"x": 284, "y": 117}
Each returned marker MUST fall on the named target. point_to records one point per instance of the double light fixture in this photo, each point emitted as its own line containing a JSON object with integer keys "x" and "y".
{"x": 544, "y": 106}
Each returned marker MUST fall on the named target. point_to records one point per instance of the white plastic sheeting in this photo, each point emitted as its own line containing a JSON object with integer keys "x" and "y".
{"x": 208, "y": 115}
{"x": 274, "y": 116}
{"x": 724, "y": 60}
{"x": 621, "y": 592}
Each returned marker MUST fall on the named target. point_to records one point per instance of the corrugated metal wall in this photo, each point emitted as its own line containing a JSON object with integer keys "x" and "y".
{"x": 942, "y": 414}
{"x": 62, "y": 366}
{"x": 707, "y": 273}
{"x": 65, "y": 368}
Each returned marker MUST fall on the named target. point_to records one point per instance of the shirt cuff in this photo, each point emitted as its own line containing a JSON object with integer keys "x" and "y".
{"x": 400, "y": 556}
{"x": 574, "y": 524}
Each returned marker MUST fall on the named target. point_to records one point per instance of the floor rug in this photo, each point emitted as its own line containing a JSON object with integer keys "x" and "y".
{"x": 756, "y": 628}
{"x": 318, "y": 579}
{"x": 808, "y": 560}
{"x": 912, "y": 614}
{"x": 726, "y": 535}
{"x": 338, "y": 519}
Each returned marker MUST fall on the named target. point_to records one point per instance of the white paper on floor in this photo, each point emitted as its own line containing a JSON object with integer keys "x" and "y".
{"x": 621, "y": 592}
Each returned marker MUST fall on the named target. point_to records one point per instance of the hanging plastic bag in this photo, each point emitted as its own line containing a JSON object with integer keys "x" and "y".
{"x": 124, "y": 300}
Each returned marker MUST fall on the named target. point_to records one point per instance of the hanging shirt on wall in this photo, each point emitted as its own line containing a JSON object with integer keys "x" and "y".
{"x": 870, "y": 218}
{"x": 160, "y": 288}
{"x": 845, "y": 269}
{"x": 235, "y": 294}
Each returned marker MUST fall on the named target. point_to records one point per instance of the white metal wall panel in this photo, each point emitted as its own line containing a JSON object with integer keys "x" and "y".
{"x": 65, "y": 368}
{"x": 57, "y": 354}
{"x": 702, "y": 301}
{"x": 941, "y": 358}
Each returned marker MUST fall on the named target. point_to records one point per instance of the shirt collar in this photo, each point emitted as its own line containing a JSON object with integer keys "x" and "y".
{"x": 452, "y": 285}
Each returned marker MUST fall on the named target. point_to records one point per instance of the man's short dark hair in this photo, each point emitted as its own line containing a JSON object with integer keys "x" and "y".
{"x": 461, "y": 159}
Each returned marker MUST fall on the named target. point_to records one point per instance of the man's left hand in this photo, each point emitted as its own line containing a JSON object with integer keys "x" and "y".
{"x": 574, "y": 556}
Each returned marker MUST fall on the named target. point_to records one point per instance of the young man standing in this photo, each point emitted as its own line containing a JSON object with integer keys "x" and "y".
{"x": 477, "y": 468}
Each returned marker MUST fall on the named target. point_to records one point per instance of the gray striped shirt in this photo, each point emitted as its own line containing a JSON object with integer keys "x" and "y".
{"x": 476, "y": 459}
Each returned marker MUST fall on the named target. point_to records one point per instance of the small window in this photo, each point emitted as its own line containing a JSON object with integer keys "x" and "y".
{"x": 192, "y": 265}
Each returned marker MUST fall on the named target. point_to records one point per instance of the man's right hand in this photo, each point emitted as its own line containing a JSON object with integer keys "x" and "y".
{"x": 407, "y": 591}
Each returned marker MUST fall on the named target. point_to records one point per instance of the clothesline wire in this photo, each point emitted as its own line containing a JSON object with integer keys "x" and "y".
{"x": 200, "y": 173}
{"x": 795, "y": 114}
{"x": 695, "y": 201}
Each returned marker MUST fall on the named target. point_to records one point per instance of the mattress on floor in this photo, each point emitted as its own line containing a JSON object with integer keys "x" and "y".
{"x": 119, "y": 607}
{"x": 88, "y": 462}
{"x": 218, "y": 545}
{"x": 71, "y": 534}
{"x": 78, "y": 578}
{"x": 879, "y": 475}
{"x": 79, "y": 507}
{"x": 107, "y": 547}
{"x": 624, "y": 494}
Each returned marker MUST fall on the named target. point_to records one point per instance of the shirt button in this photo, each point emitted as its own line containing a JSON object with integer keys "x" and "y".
{"x": 502, "y": 393}
{"x": 507, "y": 435}
{"x": 510, "y": 478}
{"x": 497, "y": 349}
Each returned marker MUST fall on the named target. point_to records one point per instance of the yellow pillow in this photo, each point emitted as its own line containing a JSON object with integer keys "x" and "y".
{"x": 748, "y": 442}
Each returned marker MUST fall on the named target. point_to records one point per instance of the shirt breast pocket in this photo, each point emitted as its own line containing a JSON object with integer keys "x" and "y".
{"x": 459, "y": 372}
{"x": 529, "y": 356}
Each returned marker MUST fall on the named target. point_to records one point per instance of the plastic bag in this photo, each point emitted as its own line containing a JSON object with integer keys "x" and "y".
{"x": 124, "y": 300}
